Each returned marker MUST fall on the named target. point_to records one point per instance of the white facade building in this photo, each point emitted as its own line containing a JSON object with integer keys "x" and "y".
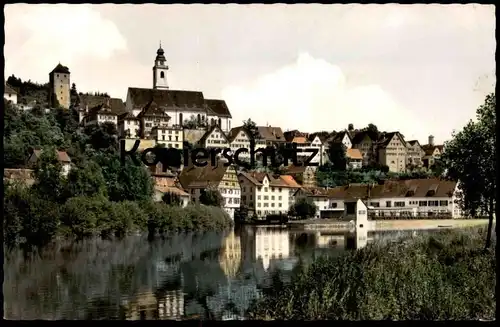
{"x": 10, "y": 94}
{"x": 266, "y": 194}
{"x": 171, "y": 137}
{"x": 129, "y": 126}
{"x": 214, "y": 138}
{"x": 409, "y": 198}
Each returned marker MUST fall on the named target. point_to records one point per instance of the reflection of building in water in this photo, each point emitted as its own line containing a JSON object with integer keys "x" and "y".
{"x": 165, "y": 302}
{"x": 271, "y": 244}
{"x": 230, "y": 257}
{"x": 171, "y": 305}
{"x": 143, "y": 307}
{"x": 232, "y": 301}
{"x": 325, "y": 240}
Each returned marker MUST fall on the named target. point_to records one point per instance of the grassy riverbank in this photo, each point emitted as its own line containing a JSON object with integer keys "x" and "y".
{"x": 29, "y": 219}
{"x": 444, "y": 276}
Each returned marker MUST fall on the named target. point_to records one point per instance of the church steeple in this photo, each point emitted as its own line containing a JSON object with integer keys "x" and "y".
{"x": 160, "y": 70}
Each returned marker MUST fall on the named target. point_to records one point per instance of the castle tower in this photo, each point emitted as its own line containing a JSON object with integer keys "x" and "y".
{"x": 160, "y": 71}
{"x": 60, "y": 86}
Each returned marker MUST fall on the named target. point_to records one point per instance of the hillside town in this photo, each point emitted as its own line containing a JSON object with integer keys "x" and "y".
{"x": 160, "y": 116}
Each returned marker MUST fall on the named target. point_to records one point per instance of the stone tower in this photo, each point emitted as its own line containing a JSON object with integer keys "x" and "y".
{"x": 160, "y": 71}
{"x": 60, "y": 87}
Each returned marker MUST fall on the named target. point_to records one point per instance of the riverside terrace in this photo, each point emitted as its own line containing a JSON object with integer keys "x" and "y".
{"x": 171, "y": 157}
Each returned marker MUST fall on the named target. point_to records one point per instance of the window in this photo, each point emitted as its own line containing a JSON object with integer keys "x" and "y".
{"x": 443, "y": 203}
{"x": 279, "y": 205}
{"x": 433, "y": 203}
{"x": 333, "y": 205}
{"x": 375, "y": 204}
{"x": 279, "y": 197}
{"x": 422, "y": 203}
{"x": 265, "y": 189}
{"x": 388, "y": 204}
{"x": 272, "y": 204}
{"x": 162, "y": 75}
{"x": 399, "y": 204}
{"x": 272, "y": 197}
{"x": 258, "y": 197}
{"x": 266, "y": 197}
{"x": 362, "y": 212}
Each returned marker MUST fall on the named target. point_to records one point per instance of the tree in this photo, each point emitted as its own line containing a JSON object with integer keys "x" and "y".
{"x": 86, "y": 180}
{"x": 49, "y": 182}
{"x": 193, "y": 123}
{"x": 470, "y": 159}
{"x": 303, "y": 208}
{"x": 251, "y": 128}
{"x": 124, "y": 182}
{"x": 102, "y": 136}
{"x": 373, "y": 129}
{"x": 211, "y": 198}
{"x": 337, "y": 155}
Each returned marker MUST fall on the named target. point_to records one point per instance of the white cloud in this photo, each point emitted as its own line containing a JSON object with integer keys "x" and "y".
{"x": 312, "y": 95}
{"x": 40, "y": 36}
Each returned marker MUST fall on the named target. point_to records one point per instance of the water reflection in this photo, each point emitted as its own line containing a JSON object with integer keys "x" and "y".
{"x": 184, "y": 276}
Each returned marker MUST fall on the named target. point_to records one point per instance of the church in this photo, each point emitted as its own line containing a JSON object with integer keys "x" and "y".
{"x": 174, "y": 108}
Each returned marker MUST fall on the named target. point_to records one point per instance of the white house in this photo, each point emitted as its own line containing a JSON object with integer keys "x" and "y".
{"x": 128, "y": 126}
{"x": 266, "y": 194}
{"x": 400, "y": 199}
{"x": 10, "y": 94}
{"x": 62, "y": 157}
{"x": 171, "y": 137}
{"x": 240, "y": 139}
{"x": 100, "y": 114}
{"x": 354, "y": 158}
{"x": 214, "y": 138}
{"x": 195, "y": 180}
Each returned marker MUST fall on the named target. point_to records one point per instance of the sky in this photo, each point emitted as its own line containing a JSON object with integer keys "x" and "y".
{"x": 417, "y": 69}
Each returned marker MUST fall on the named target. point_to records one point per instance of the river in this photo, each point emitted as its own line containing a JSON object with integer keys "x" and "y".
{"x": 214, "y": 275}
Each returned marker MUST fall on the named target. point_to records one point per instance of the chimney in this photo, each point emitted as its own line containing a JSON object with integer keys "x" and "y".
{"x": 431, "y": 140}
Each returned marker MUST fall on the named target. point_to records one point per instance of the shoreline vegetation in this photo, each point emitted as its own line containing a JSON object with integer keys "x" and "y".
{"x": 447, "y": 275}
{"x": 35, "y": 221}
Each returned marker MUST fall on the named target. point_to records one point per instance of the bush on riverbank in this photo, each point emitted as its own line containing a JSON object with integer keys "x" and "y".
{"x": 36, "y": 221}
{"x": 445, "y": 276}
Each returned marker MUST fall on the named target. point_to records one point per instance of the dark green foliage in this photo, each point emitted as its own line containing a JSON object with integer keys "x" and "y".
{"x": 445, "y": 277}
{"x": 251, "y": 128}
{"x": 303, "y": 208}
{"x": 470, "y": 158}
{"x": 86, "y": 180}
{"x": 99, "y": 193}
{"x": 28, "y": 217}
{"x": 337, "y": 156}
{"x": 211, "y": 198}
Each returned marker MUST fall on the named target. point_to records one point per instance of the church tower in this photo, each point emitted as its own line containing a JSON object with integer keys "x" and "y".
{"x": 160, "y": 71}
